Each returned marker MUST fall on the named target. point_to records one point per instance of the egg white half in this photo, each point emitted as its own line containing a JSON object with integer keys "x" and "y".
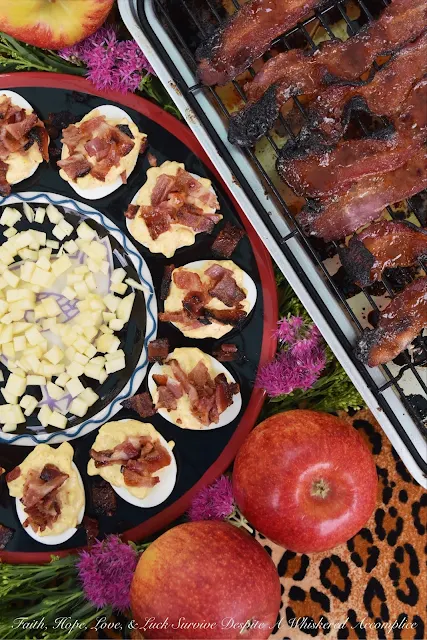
{"x": 19, "y": 101}
{"x": 161, "y": 490}
{"x": 248, "y": 284}
{"x": 111, "y": 113}
{"x": 134, "y": 201}
{"x": 226, "y": 416}
{"x": 50, "y": 540}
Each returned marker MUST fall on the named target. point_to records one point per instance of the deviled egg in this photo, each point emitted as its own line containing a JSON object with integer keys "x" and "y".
{"x": 171, "y": 208}
{"x": 209, "y": 298}
{"x": 50, "y": 498}
{"x": 24, "y": 140}
{"x": 193, "y": 390}
{"x": 136, "y": 460}
{"x": 100, "y": 152}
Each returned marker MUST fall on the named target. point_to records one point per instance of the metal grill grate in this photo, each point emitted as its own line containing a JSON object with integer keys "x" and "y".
{"x": 185, "y": 22}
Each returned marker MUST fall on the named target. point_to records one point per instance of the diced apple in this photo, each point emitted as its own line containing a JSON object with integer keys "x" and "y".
{"x": 75, "y": 369}
{"x": 93, "y": 265}
{"x": 74, "y": 387}
{"x": 9, "y": 427}
{"x": 33, "y": 381}
{"x": 53, "y": 214}
{"x": 79, "y": 407}
{"x": 43, "y": 263}
{"x": 9, "y": 351}
{"x": 58, "y": 232}
{"x": 34, "y": 336}
{"x": 116, "y": 325}
{"x": 90, "y": 351}
{"x": 118, "y": 275}
{"x": 52, "y": 308}
{"x": 28, "y": 212}
{"x": 71, "y": 247}
{"x": 28, "y": 403}
{"x": 62, "y": 379}
{"x": 69, "y": 293}
{"x": 9, "y": 232}
{"x": 40, "y": 214}
{"x": 119, "y": 287}
{"x": 54, "y": 355}
{"x": 135, "y": 285}
{"x": 93, "y": 370}
{"x": 70, "y": 352}
{"x": 107, "y": 343}
{"x": 5, "y": 256}
{"x": 81, "y": 359}
{"x": 10, "y": 398}
{"x": 111, "y": 302}
{"x": 27, "y": 270}
{"x": 19, "y": 343}
{"x": 124, "y": 309}
{"x": 90, "y": 333}
{"x": 57, "y": 420}
{"x": 61, "y": 265}
{"x": 11, "y": 278}
{"x": 54, "y": 391}
{"x": 81, "y": 289}
{"x": 42, "y": 278}
{"x": 10, "y": 217}
{"x": 89, "y": 396}
{"x": 52, "y": 244}
{"x": 23, "y": 240}
{"x": 115, "y": 365}
{"x": 103, "y": 376}
{"x": 44, "y": 415}
{"x": 6, "y": 334}
{"x": 16, "y": 385}
{"x": 85, "y": 232}
{"x": 90, "y": 282}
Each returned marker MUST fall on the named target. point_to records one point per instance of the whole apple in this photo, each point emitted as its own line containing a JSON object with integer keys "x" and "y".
{"x": 52, "y": 24}
{"x": 306, "y": 480}
{"x": 205, "y": 580}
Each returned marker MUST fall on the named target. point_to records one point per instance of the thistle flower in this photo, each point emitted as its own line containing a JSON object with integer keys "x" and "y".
{"x": 106, "y": 572}
{"x": 111, "y": 64}
{"x": 299, "y": 362}
{"x": 214, "y": 502}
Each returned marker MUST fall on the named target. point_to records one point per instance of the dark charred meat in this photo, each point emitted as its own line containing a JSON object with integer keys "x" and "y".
{"x": 226, "y": 353}
{"x": 382, "y": 245}
{"x": 227, "y": 240}
{"x": 246, "y": 36}
{"x": 5, "y": 187}
{"x": 166, "y": 281}
{"x": 383, "y": 94}
{"x": 158, "y": 350}
{"x": 125, "y": 129}
{"x": 227, "y": 316}
{"x": 141, "y": 404}
{"x": 6, "y": 535}
{"x": 103, "y": 498}
{"x": 131, "y": 211}
{"x": 295, "y": 72}
{"x": 400, "y": 322}
{"x": 320, "y": 171}
{"x": 338, "y": 217}
{"x": 91, "y": 527}
{"x": 227, "y": 291}
{"x": 12, "y": 475}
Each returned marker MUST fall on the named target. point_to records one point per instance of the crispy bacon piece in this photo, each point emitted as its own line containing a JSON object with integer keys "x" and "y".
{"x": 141, "y": 403}
{"x": 103, "y": 498}
{"x": 227, "y": 291}
{"x": 166, "y": 399}
{"x": 295, "y": 72}
{"x": 13, "y": 475}
{"x": 162, "y": 188}
{"x": 224, "y": 392}
{"x": 131, "y": 211}
{"x": 41, "y": 137}
{"x": 194, "y": 303}
{"x": 246, "y": 36}
{"x": 75, "y": 166}
{"x": 126, "y": 450}
{"x": 152, "y": 160}
{"x": 40, "y": 497}
{"x": 337, "y": 217}
{"x": 97, "y": 147}
{"x": 182, "y": 316}
{"x": 318, "y": 171}
{"x": 382, "y": 245}
{"x": 227, "y": 316}
{"x": 383, "y": 94}
{"x": 158, "y": 350}
{"x": 4, "y": 185}
{"x": 6, "y": 535}
{"x": 157, "y": 219}
{"x": 226, "y": 352}
{"x": 189, "y": 280}
{"x": 139, "y": 472}
{"x": 400, "y": 322}
{"x": 216, "y": 272}
{"x": 227, "y": 240}
{"x": 166, "y": 281}
{"x": 91, "y": 527}
{"x": 18, "y": 130}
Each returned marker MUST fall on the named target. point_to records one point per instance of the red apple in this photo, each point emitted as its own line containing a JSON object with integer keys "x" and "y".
{"x": 306, "y": 480}
{"x": 52, "y": 24}
{"x": 205, "y": 580}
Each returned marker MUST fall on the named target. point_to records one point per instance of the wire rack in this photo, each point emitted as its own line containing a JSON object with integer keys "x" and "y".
{"x": 190, "y": 22}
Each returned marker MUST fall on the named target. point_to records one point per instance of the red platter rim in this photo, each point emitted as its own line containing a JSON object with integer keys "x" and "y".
{"x": 265, "y": 268}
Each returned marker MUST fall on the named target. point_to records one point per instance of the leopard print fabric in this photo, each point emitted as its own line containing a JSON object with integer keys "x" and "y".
{"x": 377, "y": 577}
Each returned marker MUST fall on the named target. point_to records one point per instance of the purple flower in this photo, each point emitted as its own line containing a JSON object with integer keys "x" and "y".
{"x": 106, "y": 572}
{"x": 300, "y": 361}
{"x": 111, "y": 64}
{"x": 214, "y": 502}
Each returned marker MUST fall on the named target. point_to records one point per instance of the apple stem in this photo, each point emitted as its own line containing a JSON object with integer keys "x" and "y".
{"x": 238, "y": 520}
{"x": 320, "y": 489}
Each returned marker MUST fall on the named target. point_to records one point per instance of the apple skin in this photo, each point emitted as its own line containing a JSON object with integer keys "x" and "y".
{"x": 53, "y": 24}
{"x": 205, "y": 571}
{"x": 293, "y": 455}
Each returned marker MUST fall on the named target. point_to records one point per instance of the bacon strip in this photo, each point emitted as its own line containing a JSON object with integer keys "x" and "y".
{"x": 382, "y": 245}
{"x": 5, "y": 187}
{"x": 166, "y": 281}
{"x": 399, "y": 324}
{"x": 40, "y": 497}
{"x": 126, "y": 450}
{"x": 208, "y": 397}
{"x": 295, "y": 72}
{"x": 227, "y": 291}
{"x": 227, "y": 240}
{"x": 75, "y": 166}
{"x": 226, "y": 353}
{"x": 319, "y": 171}
{"x": 6, "y": 535}
{"x": 91, "y": 527}
{"x": 384, "y": 94}
{"x": 189, "y": 280}
{"x": 103, "y": 498}
{"x": 363, "y": 202}
{"x": 246, "y": 36}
